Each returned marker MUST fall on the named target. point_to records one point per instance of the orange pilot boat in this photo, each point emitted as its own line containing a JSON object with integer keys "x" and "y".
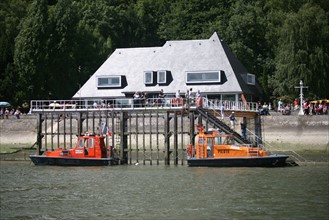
{"x": 216, "y": 149}
{"x": 90, "y": 150}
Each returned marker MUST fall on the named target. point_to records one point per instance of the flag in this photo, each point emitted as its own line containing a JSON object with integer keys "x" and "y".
{"x": 106, "y": 130}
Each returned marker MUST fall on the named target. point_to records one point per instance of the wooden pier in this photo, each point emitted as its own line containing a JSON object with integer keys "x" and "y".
{"x": 142, "y": 134}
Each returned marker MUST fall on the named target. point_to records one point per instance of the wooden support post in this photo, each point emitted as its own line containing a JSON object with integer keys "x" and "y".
{"x": 106, "y": 123}
{"x": 123, "y": 138}
{"x": 175, "y": 139}
{"x": 167, "y": 138}
{"x": 64, "y": 129}
{"x": 114, "y": 132}
{"x": 71, "y": 131}
{"x": 150, "y": 131}
{"x": 39, "y": 133}
{"x": 52, "y": 131}
{"x": 200, "y": 119}
{"x": 137, "y": 149}
{"x": 192, "y": 127}
{"x": 93, "y": 123}
{"x": 182, "y": 136}
{"x": 87, "y": 122}
{"x": 143, "y": 140}
{"x": 46, "y": 132}
{"x": 80, "y": 125}
{"x": 207, "y": 122}
{"x": 157, "y": 135}
{"x": 58, "y": 120}
{"x": 258, "y": 129}
{"x": 130, "y": 138}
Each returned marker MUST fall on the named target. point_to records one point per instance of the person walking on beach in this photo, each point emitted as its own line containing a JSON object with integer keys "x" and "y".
{"x": 232, "y": 120}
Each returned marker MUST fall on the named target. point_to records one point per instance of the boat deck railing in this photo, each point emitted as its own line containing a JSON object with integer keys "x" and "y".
{"x": 130, "y": 103}
{"x": 262, "y": 144}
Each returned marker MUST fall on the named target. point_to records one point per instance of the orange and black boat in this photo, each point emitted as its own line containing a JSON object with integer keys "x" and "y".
{"x": 90, "y": 150}
{"x": 216, "y": 149}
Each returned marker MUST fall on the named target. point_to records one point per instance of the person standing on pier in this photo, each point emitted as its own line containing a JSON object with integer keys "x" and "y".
{"x": 162, "y": 96}
{"x": 232, "y": 120}
{"x": 222, "y": 110}
{"x": 178, "y": 98}
{"x": 243, "y": 130}
{"x": 191, "y": 96}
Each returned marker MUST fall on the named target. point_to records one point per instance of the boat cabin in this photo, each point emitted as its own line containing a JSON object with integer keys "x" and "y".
{"x": 88, "y": 146}
{"x": 215, "y": 144}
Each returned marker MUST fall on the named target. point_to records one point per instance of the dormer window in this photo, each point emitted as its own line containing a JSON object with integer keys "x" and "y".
{"x": 251, "y": 80}
{"x": 108, "y": 81}
{"x": 197, "y": 77}
{"x": 148, "y": 77}
{"x": 162, "y": 77}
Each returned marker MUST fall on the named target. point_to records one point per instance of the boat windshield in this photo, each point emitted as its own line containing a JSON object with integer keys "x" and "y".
{"x": 81, "y": 143}
{"x": 90, "y": 143}
{"x": 87, "y": 143}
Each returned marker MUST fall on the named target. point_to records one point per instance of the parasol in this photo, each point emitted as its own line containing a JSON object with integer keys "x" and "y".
{"x": 4, "y": 104}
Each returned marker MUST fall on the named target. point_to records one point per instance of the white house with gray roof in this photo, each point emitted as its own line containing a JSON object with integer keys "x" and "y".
{"x": 205, "y": 65}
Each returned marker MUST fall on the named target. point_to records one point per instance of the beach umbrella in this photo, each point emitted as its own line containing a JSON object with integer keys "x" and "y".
{"x": 54, "y": 104}
{"x": 4, "y": 104}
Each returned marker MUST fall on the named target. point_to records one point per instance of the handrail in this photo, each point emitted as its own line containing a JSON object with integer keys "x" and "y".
{"x": 268, "y": 147}
{"x": 229, "y": 105}
{"x": 130, "y": 103}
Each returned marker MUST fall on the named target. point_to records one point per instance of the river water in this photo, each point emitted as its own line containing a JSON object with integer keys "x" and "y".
{"x": 163, "y": 192}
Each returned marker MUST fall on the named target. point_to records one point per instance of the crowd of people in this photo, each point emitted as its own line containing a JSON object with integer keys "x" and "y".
{"x": 5, "y": 113}
{"x": 319, "y": 107}
{"x": 180, "y": 99}
{"x": 315, "y": 108}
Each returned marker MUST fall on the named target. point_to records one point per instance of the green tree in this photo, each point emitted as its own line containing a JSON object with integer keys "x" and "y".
{"x": 59, "y": 44}
{"x": 302, "y": 52}
{"x": 11, "y": 12}
{"x": 150, "y": 13}
{"x": 94, "y": 40}
{"x": 29, "y": 57}
{"x": 245, "y": 35}
{"x": 62, "y": 67}
{"x": 193, "y": 19}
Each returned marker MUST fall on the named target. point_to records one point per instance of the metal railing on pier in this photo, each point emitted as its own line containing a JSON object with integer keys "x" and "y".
{"x": 130, "y": 103}
{"x": 230, "y": 105}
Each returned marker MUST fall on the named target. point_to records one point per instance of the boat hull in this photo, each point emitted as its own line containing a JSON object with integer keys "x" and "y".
{"x": 65, "y": 161}
{"x": 264, "y": 161}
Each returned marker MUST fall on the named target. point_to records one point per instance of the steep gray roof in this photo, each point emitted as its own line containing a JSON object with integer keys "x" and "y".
{"x": 176, "y": 57}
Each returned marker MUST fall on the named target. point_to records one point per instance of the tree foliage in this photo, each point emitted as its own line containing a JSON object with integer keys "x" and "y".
{"x": 29, "y": 56}
{"x": 302, "y": 52}
{"x": 50, "y": 48}
{"x": 11, "y": 12}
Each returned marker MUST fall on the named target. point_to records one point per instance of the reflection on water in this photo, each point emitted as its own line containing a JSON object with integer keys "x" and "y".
{"x": 163, "y": 192}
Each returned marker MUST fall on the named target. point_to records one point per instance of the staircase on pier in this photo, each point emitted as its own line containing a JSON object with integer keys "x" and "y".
{"x": 206, "y": 113}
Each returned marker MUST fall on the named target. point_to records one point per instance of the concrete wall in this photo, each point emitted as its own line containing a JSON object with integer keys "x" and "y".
{"x": 297, "y": 132}
{"x": 281, "y": 132}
